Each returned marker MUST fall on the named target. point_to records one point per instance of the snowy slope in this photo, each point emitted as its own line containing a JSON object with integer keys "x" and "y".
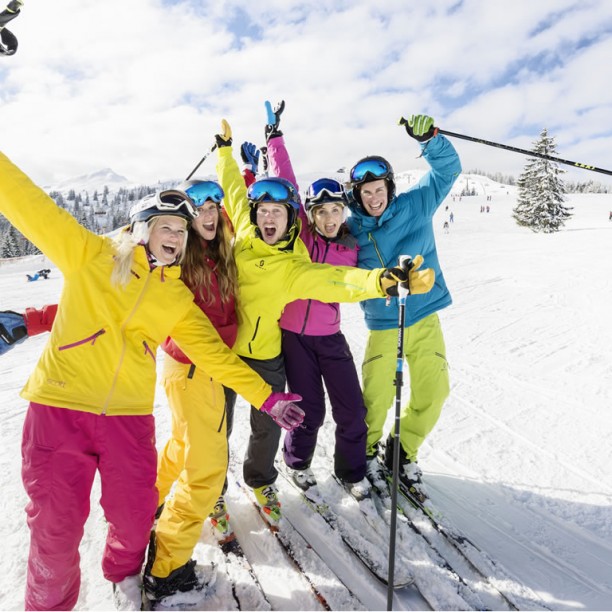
{"x": 519, "y": 460}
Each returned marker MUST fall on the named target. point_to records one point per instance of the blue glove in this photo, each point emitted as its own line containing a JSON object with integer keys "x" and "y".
{"x": 12, "y": 330}
{"x": 272, "y": 129}
{"x": 250, "y": 156}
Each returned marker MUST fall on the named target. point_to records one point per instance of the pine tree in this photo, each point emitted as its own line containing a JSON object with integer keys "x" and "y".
{"x": 541, "y": 191}
{"x": 10, "y": 243}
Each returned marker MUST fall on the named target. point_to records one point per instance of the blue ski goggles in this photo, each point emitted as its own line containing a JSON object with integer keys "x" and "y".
{"x": 375, "y": 168}
{"x": 268, "y": 190}
{"x": 205, "y": 191}
{"x": 325, "y": 190}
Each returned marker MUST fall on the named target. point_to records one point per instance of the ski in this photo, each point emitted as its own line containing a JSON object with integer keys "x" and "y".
{"x": 371, "y": 554}
{"x": 246, "y": 588}
{"x": 377, "y": 515}
{"x": 472, "y": 590}
{"x": 291, "y": 553}
{"x": 445, "y": 536}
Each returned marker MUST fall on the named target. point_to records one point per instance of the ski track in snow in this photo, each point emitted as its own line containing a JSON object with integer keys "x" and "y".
{"x": 519, "y": 461}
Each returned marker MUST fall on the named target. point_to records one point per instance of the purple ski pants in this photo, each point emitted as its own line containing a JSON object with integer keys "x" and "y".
{"x": 311, "y": 361}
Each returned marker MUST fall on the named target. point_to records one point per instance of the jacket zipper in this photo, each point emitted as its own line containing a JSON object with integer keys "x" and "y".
{"x": 303, "y": 330}
{"x": 373, "y": 241}
{"x": 123, "y": 347}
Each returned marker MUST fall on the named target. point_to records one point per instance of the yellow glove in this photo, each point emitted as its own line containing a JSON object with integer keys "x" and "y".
{"x": 420, "y": 281}
{"x": 224, "y": 139}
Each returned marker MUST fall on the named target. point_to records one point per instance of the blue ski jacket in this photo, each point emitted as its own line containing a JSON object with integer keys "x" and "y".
{"x": 406, "y": 228}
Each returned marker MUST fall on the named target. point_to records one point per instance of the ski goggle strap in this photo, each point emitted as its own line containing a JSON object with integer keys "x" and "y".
{"x": 325, "y": 190}
{"x": 370, "y": 168}
{"x": 266, "y": 190}
{"x": 205, "y": 191}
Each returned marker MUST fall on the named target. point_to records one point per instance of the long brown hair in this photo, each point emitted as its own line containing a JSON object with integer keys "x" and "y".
{"x": 197, "y": 274}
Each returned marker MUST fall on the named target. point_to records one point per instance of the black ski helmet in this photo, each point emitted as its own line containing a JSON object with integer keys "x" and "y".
{"x": 368, "y": 169}
{"x": 274, "y": 190}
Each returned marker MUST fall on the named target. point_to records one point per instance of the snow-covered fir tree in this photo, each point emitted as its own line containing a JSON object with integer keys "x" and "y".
{"x": 541, "y": 191}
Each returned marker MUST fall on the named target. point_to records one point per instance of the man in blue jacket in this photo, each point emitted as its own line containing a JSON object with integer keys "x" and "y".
{"x": 387, "y": 225}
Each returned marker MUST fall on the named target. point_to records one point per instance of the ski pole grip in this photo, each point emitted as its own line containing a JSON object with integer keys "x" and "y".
{"x": 405, "y": 263}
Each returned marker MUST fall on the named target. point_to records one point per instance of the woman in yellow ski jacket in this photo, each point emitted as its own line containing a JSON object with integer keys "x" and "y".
{"x": 91, "y": 393}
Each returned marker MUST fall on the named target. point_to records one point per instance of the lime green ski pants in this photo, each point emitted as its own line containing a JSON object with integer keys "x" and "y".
{"x": 425, "y": 353}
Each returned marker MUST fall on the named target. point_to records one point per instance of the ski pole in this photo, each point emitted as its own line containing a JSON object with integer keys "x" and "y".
{"x": 201, "y": 161}
{"x": 405, "y": 262}
{"x": 568, "y": 162}
{"x": 526, "y": 152}
{"x": 8, "y": 41}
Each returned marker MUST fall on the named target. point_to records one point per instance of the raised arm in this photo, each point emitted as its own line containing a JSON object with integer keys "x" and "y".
{"x": 51, "y": 228}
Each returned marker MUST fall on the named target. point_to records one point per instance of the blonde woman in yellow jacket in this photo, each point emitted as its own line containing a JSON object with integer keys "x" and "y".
{"x": 274, "y": 269}
{"x": 91, "y": 393}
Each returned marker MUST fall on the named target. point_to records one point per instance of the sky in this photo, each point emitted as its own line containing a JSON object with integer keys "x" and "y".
{"x": 141, "y": 86}
{"x": 519, "y": 461}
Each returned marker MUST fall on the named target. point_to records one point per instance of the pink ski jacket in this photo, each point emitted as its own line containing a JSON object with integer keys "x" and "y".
{"x": 311, "y": 317}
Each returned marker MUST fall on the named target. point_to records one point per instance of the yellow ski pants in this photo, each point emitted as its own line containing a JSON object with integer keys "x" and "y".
{"x": 195, "y": 457}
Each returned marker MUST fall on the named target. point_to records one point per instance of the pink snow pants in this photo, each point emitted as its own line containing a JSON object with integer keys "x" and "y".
{"x": 61, "y": 451}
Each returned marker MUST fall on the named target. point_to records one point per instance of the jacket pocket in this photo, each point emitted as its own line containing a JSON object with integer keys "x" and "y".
{"x": 254, "y": 335}
{"x": 148, "y": 351}
{"x": 89, "y": 340}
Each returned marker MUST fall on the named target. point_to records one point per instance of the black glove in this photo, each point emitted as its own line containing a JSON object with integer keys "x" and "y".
{"x": 12, "y": 330}
{"x": 272, "y": 129}
{"x": 390, "y": 277}
{"x": 419, "y": 127}
{"x": 224, "y": 139}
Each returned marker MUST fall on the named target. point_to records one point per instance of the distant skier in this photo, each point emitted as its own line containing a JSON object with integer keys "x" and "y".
{"x": 44, "y": 273}
{"x": 446, "y": 227}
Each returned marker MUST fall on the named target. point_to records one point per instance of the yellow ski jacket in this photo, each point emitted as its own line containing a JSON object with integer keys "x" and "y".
{"x": 100, "y": 356}
{"x": 270, "y": 277}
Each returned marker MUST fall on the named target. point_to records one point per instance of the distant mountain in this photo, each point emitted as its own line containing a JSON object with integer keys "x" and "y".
{"x": 94, "y": 181}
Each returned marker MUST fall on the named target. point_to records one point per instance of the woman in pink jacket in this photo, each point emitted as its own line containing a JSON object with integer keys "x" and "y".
{"x": 314, "y": 348}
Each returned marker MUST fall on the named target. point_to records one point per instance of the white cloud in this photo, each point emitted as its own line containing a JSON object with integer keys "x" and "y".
{"x": 141, "y": 86}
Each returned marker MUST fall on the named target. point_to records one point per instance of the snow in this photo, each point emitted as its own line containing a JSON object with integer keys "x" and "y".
{"x": 519, "y": 461}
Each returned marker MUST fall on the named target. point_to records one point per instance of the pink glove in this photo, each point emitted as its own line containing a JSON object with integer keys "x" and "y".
{"x": 283, "y": 411}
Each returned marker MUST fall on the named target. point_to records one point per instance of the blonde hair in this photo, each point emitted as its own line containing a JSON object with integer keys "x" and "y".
{"x": 197, "y": 275}
{"x": 126, "y": 242}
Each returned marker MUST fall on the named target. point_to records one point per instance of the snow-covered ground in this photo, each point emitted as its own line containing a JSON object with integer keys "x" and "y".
{"x": 520, "y": 460}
